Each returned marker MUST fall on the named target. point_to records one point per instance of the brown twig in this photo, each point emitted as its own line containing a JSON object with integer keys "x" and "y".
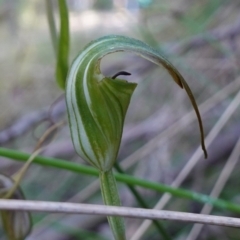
{"x": 25, "y": 123}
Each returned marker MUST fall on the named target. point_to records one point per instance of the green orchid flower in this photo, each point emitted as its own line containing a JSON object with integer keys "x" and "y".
{"x": 97, "y": 107}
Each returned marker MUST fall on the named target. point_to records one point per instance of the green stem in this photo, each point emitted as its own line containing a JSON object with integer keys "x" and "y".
{"x": 143, "y": 204}
{"x": 78, "y": 168}
{"x": 111, "y": 198}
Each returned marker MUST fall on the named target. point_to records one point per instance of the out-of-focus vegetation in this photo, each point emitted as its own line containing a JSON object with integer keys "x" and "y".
{"x": 200, "y": 37}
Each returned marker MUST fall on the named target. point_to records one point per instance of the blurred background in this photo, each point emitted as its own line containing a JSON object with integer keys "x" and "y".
{"x": 201, "y": 38}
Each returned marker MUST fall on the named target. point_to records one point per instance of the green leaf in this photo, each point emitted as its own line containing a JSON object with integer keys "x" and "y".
{"x": 63, "y": 45}
{"x": 51, "y": 24}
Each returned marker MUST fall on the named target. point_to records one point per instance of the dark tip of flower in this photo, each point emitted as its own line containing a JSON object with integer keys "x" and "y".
{"x": 121, "y": 73}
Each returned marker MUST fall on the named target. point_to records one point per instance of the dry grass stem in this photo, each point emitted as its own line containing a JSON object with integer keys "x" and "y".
{"x": 47, "y": 133}
{"x": 179, "y": 125}
{"x": 192, "y": 162}
{"x": 218, "y": 187}
{"x": 74, "y": 208}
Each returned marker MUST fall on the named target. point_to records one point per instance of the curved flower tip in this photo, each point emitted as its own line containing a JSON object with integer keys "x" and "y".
{"x": 97, "y": 104}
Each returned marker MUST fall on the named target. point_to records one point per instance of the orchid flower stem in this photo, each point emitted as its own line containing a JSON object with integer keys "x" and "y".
{"x": 111, "y": 198}
{"x": 143, "y": 204}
